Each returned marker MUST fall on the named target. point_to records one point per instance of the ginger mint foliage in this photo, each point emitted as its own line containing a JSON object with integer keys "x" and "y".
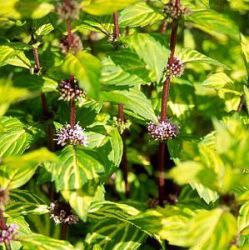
{"x": 124, "y": 125}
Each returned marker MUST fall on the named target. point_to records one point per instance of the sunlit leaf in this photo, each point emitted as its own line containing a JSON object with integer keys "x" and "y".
{"x": 86, "y": 68}
{"x": 105, "y": 7}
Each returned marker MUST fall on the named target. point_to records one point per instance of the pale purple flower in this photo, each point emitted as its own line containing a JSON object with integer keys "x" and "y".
{"x": 176, "y": 68}
{"x": 68, "y": 10}
{"x": 61, "y": 212}
{"x": 70, "y": 90}
{"x": 71, "y": 135}
{"x": 9, "y": 233}
{"x": 162, "y": 131}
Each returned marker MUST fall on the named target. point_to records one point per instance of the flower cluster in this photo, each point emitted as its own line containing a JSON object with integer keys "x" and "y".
{"x": 176, "y": 68}
{"x": 163, "y": 130}
{"x": 61, "y": 212}
{"x": 71, "y": 135}
{"x": 69, "y": 10}
{"x": 74, "y": 46}
{"x": 174, "y": 10}
{"x": 70, "y": 90}
{"x": 8, "y": 234}
{"x": 121, "y": 125}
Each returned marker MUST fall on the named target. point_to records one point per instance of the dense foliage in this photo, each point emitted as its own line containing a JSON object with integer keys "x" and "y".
{"x": 124, "y": 124}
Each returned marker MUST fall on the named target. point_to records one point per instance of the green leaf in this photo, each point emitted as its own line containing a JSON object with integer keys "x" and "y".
{"x": 152, "y": 52}
{"x": 14, "y": 137}
{"x": 208, "y": 195}
{"x": 44, "y": 30}
{"x": 115, "y": 226}
{"x": 42, "y": 242}
{"x": 200, "y": 229}
{"x": 10, "y": 95}
{"x": 114, "y": 234}
{"x": 221, "y": 165}
{"x": 214, "y": 23}
{"x": 114, "y": 74}
{"x": 17, "y": 170}
{"x": 225, "y": 88}
{"x": 105, "y": 7}
{"x": 133, "y": 100}
{"x": 244, "y": 41}
{"x": 132, "y": 63}
{"x": 22, "y": 202}
{"x": 86, "y": 68}
{"x": 102, "y": 24}
{"x": 188, "y": 55}
{"x": 243, "y": 219}
{"x": 170, "y": 223}
{"x": 218, "y": 81}
{"x": 16, "y": 9}
{"x": 39, "y": 155}
{"x": 246, "y": 90}
{"x": 13, "y": 56}
{"x": 138, "y": 15}
{"x": 194, "y": 173}
{"x": 210, "y": 230}
{"x": 81, "y": 200}
{"x": 76, "y": 169}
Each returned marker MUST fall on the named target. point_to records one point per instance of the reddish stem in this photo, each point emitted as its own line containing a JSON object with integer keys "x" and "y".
{"x": 241, "y": 103}
{"x": 69, "y": 33}
{"x": 69, "y": 27}
{"x": 116, "y": 30}
{"x": 72, "y": 114}
{"x": 64, "y": 228}
{"x": 163, "y": 27}
{"x": 165, "y": 96}
{"x": 121, "y": 114}
{"x": 166, "y": 86}
{"x": 163, "y": 116}
{"x": 72, "y": 107}
{"x": 37, "y": 61}
{"x": 2, "y": 221}
{"x": 121, "y": 117}
{"x": 37, "y": 70}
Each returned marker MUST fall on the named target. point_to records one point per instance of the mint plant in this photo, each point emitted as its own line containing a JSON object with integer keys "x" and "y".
{"x": 124, "y": 125}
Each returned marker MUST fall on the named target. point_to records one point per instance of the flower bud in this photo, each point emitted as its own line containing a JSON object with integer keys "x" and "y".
{"x": 176, "y": 68}
{"x": 68, "y": 10}
{"x": 70, "y": 90}
{"x": 174, "y": 10}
